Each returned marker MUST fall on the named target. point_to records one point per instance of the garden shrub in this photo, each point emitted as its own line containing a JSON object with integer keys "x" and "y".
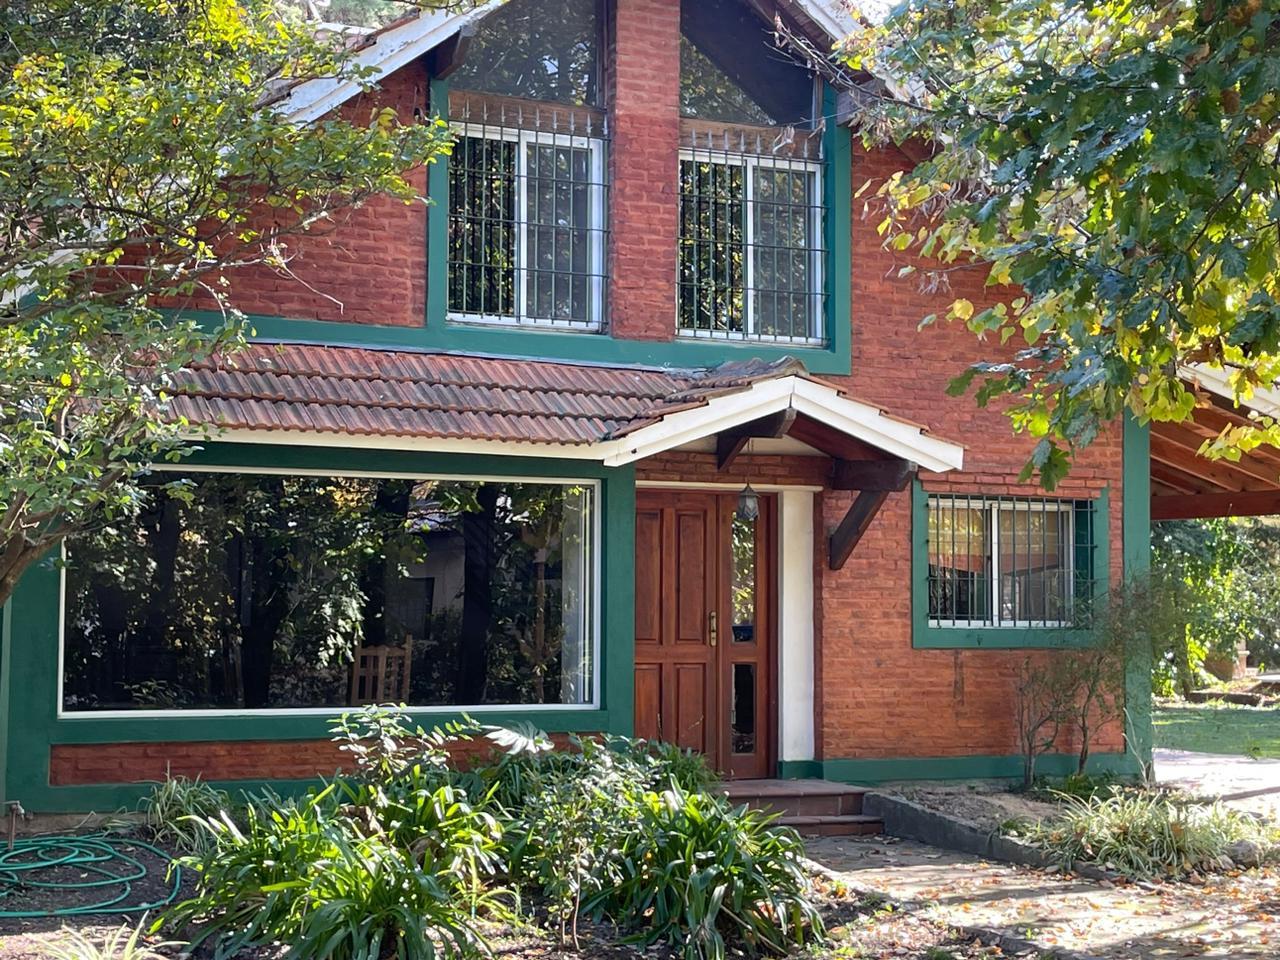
{"x": 402, "y": 856}
{"x": 175, "y": 805}
{"x": 696, "y": 871}
{"x": 1145, "y": 834}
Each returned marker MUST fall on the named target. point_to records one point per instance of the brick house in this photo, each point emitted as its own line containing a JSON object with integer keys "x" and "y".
{"x": 630, "y": 430}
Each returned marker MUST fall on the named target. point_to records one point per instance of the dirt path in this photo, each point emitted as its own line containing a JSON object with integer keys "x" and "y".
{"x": 1228, "y": 917}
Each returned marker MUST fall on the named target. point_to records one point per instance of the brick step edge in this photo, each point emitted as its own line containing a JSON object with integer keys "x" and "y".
{"x": 843, "y": 825}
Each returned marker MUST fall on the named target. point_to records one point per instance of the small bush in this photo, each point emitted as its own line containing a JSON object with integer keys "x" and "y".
{"x": 1082, "y": 786}
{"x": 696, "y": 872}
{"x": 174, "y": 807}
{"x": 1143, "y": 834}
{"x": 123, "y": 943}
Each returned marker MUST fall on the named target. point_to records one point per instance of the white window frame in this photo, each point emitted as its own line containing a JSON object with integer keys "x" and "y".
{"x": 749, "y": 162}
{"x": 595, "y": 228}
{"x": 592, "y": 614}
{"x": 993, "y": 507}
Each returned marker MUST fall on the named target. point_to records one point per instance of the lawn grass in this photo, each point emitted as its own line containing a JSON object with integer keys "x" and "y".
{"x": 1204, "y": 728}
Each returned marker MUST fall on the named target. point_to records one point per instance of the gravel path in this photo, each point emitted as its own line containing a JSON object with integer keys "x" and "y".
{"x": 1226, "y": 917}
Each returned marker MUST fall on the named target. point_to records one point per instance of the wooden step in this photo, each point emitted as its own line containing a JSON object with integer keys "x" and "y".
{"x": 849, "y": 825}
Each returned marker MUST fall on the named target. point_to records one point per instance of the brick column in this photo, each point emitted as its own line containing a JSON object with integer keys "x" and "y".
{"x": 645, "y": 156}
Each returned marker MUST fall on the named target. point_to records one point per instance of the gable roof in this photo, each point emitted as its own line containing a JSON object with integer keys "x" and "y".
{"x": 402, "y": 41}
{"x": 397, "y": 399}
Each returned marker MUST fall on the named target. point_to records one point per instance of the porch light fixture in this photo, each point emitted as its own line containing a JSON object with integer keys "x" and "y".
{"x": 748, "y": 503}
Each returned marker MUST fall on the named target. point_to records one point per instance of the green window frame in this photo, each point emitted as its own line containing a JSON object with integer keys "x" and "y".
{"x": 978, "y": 622}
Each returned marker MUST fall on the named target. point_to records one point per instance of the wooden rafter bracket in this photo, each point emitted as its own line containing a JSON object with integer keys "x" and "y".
{"x": 448, "y": 57}
{"x": 733, "y": 441}
{"x": 874, "y": 480}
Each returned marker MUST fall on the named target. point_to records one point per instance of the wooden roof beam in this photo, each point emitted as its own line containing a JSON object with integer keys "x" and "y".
{"x": 733, "y": 441}
{"x": 1199, "y": 506}
{"x": 861, "y": 512}
{"x": 1185, "y": 437}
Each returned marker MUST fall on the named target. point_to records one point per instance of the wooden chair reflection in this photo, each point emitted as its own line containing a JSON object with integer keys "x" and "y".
{"x": 380, "y": 674}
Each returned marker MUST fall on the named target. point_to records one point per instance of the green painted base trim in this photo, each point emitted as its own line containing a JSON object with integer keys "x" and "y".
{"x": 800, "y": 769}
{"x": 108, "y": 798}
{"x": 997, "y": 638}
{"x": 968, "y": 768}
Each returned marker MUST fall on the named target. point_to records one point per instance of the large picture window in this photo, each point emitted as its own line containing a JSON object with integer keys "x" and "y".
{"x": 750, "y": 264}
{"x": 1008, "y": 562}
{"x": 244, "y": 592}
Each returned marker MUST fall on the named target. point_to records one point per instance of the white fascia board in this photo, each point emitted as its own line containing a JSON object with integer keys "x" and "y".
{"x": 1265, "y": 400}
{"x": 873, "y": 426}
{"x": 831, "y": 16}
{"x": 499, "y": 448}
{"x": 388, "y": 52}
{"x": 822, "y": 403}
{"x": 717, "y": 414}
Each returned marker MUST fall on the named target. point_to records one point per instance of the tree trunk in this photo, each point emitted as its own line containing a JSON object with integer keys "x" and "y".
{"x": 477, "y": 597}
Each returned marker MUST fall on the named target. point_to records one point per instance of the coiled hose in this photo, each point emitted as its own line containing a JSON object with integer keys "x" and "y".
{"x": 104, "y": 863}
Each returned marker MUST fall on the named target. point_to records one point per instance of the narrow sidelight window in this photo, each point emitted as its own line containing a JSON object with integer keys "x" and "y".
{"x": 1008, "y": 562}
{"x": 251, "y": 592}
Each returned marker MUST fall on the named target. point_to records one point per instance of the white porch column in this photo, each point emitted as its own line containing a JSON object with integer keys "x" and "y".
{"x": 795, "y": 625}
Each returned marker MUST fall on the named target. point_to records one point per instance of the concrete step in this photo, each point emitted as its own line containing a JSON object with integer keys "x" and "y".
{"x": 797, "y": 798}
{"x": 848, "y": 825}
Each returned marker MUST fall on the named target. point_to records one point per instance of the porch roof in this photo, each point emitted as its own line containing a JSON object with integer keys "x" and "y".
{"x": 276, "y": 392}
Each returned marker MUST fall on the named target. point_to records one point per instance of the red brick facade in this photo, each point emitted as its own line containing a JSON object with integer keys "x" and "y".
{"x": 877, "y": 696}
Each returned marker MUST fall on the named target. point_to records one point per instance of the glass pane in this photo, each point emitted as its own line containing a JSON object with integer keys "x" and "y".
{"x": 558, "y": 211}
{"x": 538, "y": 49}
{"x": 743, "y": 722}
{"x": 959, "y": 561}
{"x": 482, "y": 227}
{"x": 784, "y": 284}
{"x": 1035, "y": 562}
{"x": 712, "y": 247}
{"x": 275, "y": 591}
{"x": 744, "y": 580}
{"x": 707, "y": 92}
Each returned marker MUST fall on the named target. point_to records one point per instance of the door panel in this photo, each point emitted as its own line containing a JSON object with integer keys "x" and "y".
{"x": 703, "y": 629}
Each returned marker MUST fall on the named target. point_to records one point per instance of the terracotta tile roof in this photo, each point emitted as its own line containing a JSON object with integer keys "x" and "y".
{"x": 363, "y": 392}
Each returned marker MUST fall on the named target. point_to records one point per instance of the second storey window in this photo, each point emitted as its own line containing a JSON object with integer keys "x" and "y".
{"x": 750, "y": 235}
{"x": 527, "y": 204}
{"x": 1008, "y": 562}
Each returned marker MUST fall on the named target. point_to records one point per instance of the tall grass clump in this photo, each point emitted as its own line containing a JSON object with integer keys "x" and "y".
{"x": 1144, "y": 834}
{"x": 174, "y": 808}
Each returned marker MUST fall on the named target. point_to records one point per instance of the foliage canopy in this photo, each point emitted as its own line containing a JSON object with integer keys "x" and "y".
{"x": 1115, "y": 166}
{"x": 143, "y": 162}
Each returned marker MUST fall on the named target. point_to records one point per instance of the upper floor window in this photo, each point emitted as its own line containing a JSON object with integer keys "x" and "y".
{"x": 527, "y": 207}
{"x": 751, "y": 235}
{"x": 537, "y": 49}
{"x": 1008, "y": 562}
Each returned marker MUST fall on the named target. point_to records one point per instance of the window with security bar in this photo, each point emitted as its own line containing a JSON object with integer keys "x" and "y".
{"x": 751, "y": 236}
{"x": 527, "y": 204}
{"x": 1009, "y": 561}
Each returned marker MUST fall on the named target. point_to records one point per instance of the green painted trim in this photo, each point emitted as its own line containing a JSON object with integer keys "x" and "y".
{"x": 536, "y": 344}
{"x": 988, "y": 767}
{"x": 31, "y": 665}
{"x": 5, "y": 722}
{"x": 838, "y": 200}
{"x": 926, "y": 637}
{"x": 437, "y": 239}
{"x": 1136, "y": 534}
{"x": 800, "y": 769}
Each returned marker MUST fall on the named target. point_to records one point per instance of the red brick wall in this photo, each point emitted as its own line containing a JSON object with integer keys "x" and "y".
{"x": 369, "y": 265}
{"x": 645, "y": 150}
{"x": 880, "y": 697}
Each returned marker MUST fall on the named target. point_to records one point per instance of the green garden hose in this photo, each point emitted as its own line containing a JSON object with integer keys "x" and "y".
{"x": 102, "y": 862}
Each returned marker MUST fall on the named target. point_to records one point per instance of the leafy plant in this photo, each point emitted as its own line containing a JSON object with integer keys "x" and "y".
{"x": 697, "y": 872}
{"x": 174, "y": 807}
{"x": 1144, "y": 834}
{"x": 123, "y": 943}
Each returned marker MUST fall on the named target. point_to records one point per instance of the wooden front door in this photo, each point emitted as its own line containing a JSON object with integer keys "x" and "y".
{"x": 704, "y": 628}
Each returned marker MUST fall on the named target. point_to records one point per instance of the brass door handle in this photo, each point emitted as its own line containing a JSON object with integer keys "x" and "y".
{"x": 713, "y": 633}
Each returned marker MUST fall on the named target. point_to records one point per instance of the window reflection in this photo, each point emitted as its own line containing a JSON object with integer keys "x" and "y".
{"x": 744, "y": 579}
{"x": 250, "y": 591}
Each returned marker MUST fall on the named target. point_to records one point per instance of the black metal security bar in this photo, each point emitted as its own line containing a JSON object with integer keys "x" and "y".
{"x": 751, "y": 235}
{"x": 528, "y": 203}
{"x": 1009, "y": 561}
